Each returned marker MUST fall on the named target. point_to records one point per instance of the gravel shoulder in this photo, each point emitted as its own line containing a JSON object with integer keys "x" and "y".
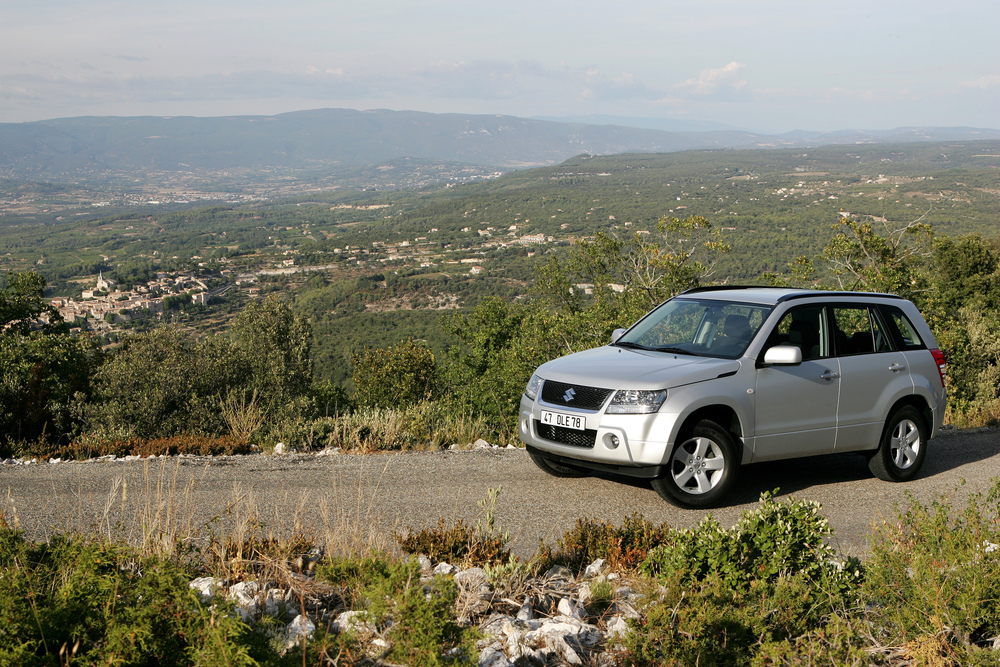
{"x": 368, "y": 497}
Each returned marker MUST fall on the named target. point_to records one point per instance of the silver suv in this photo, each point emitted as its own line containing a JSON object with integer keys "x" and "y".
{"x": 716, "y": 378}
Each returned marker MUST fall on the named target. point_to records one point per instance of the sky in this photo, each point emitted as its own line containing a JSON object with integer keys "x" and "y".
{"x": 763, "y": 65}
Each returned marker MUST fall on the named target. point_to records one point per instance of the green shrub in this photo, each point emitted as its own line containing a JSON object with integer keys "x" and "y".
{"x": 74, "y": 601}
{"x": 725, "y": 594}
{"x": 419, "y": 615}
{"x": 935, "y": 572}
{"x": 773, "y": 540}
{"x": 394, "y": 377}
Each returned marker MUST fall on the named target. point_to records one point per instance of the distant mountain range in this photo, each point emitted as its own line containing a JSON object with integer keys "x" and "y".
{"x": 325, "y": 140}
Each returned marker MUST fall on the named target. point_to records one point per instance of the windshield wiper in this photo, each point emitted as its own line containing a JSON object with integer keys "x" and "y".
{"x": 673, "y": 350}
{"x": 631, "y": 346}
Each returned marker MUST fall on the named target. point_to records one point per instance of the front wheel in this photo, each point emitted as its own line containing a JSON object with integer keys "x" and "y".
{"x": 702, "y": 468}
{"x": 903, "y": 446}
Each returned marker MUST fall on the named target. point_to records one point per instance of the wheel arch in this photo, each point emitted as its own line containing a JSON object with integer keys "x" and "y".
{"x": 723, "y": 415}
{"x": 920, "y": 404}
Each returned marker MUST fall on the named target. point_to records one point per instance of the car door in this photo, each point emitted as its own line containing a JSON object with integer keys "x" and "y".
{"x": 796, "y": 405}
{"x": 872, "y": 372}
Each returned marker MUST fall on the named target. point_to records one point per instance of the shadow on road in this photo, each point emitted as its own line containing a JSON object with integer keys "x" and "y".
{"x": 944, "y": 454}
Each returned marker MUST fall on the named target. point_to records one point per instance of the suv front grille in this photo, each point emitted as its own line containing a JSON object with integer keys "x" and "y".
{"x": 566, "y": 436}
{"x": 574, "y": 396}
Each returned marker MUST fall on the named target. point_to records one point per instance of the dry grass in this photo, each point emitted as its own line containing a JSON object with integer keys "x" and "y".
{"x": 159, "y": 516}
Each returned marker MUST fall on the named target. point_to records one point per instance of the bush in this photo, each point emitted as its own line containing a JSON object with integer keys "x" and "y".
{"x": 399, "y": 376}
{"x": 81, "y": 602}
{"x": 483, "y": 545}
{"x": 935, "y": 573}
{"x": 769, "y": 586}
{"x": 422, "y": 632}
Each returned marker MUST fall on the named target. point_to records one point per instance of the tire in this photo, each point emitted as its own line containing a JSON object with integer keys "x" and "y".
{"x": 702, "y": 468}
{"x": 555, "y": 469}
{"x": 902, "y": 448}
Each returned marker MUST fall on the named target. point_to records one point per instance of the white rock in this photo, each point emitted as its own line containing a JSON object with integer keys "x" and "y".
{"x": 571, "y": 608}
{"x": 244, "y": 594}
{"x": 445, "y": 569}
{"x": 280, "y": 448}
{"x": 481, "y": 444}
{"x": 594, "y": 568}
{"x": 527, "y": 610}
{"x": 206, "y": 587}
{"x": 353, "y": 621}
{"x": 276, "y": 601}
{"x": 425, "y": 563}
{"x": 616, "y": 627}
{"x": 299, "y": 628}
{"x": 491, "y": 657}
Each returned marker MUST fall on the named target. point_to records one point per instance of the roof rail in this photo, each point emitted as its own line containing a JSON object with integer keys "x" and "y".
{"x": 805, "y": 294}
{"x": 714, "y": 288}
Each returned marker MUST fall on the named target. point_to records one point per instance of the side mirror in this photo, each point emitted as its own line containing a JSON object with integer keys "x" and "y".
{"x": 783, "y": 355}
{"x": 616, "y": 334}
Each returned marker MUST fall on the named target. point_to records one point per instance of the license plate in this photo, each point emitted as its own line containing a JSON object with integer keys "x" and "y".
{"x": 566, "y": 421}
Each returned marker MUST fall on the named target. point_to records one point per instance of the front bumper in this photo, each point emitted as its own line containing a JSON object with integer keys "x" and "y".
{"x": 612, "y": 441}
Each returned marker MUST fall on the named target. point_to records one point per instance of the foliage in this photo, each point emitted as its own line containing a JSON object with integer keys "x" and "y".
{"x": 423, "y": 631}
{"x": 626, "y": 275}
{"x": 399, "y": 376}
{"x": 197, "y": 445}
{"x": 725, "y": 592}
{"x": 485, "y": 374}
{"x": 862, "y": 259}
{"x": 45, "y": 373}
{"x": 934, "y": 574}
{"x": 772, "y": 540}
{"x": 22, "y": 308}
{"x": 77, "y": 601}
{"x": 167, "y": 382}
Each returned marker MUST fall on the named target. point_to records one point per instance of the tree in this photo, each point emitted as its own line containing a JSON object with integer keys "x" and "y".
{"x": 862, "y": 259}
{"x": 398, "y": 376}
{"x": 44, "y": 371}
{"x": 611, "y": 281}
{"x": 21, "y": 305}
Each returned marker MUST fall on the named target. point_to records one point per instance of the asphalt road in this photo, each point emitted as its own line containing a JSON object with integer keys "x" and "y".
{"x": 365, "y": 499}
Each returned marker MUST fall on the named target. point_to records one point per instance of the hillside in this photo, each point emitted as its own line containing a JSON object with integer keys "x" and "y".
{"x": 184, "y": 158}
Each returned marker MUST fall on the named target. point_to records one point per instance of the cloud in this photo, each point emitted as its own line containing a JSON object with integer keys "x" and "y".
{"x": 985, "y": 82}
{"x": 726, "y": 81}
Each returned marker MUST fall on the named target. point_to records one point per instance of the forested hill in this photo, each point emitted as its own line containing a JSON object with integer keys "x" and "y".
{"x": 103, "y": 150}
{"x": 312, "y": 139}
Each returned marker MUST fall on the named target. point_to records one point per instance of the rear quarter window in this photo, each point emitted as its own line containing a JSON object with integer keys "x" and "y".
{"x": 903, "y": 330}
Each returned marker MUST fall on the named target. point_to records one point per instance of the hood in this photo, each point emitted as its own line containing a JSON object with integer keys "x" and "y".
{"x": 620, "y": 368}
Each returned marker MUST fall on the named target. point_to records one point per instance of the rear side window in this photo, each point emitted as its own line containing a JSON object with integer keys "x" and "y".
{"x": 905, "y": 332}
{"x": 857, "y": 330}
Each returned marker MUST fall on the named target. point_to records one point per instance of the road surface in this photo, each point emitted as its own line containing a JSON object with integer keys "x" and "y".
{"x": 347, "y": 500}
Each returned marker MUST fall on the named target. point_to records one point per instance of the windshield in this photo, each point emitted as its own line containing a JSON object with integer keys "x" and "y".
{"x": 703, "y": 327}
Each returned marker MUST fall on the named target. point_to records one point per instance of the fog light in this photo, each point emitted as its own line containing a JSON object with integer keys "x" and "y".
{"x": 612, "y": 441}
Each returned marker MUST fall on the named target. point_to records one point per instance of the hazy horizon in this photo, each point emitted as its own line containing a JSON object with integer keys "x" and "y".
{"x": 773, "y": 67}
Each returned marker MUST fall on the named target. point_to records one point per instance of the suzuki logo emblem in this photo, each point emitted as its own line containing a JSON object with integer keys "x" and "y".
{"x": 569, "y": 395}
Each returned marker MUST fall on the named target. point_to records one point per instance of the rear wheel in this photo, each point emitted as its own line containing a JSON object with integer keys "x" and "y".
{"x": 555, "y": 469}
{"x": 903, "y": 446}
{"x": 702, "y": 468}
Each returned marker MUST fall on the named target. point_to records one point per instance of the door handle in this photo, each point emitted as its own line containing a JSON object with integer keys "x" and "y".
{"x": 829, "y": 375}
{"x": 895, "y": 368}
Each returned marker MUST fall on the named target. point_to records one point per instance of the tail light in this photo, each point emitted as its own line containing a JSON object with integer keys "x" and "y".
{"x": 942, "y": 365}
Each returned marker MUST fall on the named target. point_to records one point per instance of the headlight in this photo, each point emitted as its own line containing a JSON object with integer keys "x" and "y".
{"x": 534, "y": 384}
{"x": 636, "y": 402}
